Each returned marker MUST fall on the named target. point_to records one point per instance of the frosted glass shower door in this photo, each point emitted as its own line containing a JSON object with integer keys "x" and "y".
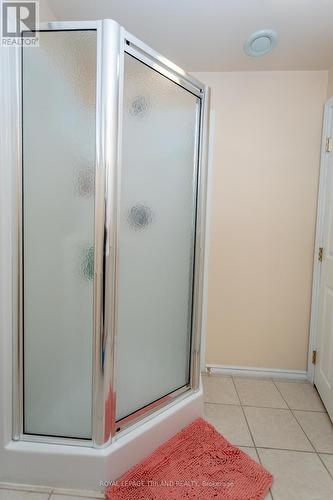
{"x": 58, "y": 100}
{"x": 156, "y": 237}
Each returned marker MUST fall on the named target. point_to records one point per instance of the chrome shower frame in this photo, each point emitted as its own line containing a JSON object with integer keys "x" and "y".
{"x": 112, "y": 44}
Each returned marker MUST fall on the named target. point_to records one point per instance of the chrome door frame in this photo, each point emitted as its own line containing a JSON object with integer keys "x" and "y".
{"x": 112, "y": 43}
{"x": 157, "y": 62}
{"x": 18, "y": 433}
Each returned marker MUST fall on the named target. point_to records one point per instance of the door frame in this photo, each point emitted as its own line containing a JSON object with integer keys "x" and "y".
{"x": 313, "y": 335}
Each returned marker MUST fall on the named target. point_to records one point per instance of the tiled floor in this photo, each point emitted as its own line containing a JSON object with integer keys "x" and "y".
{"x": 17, "y": 492}
{"x": 280, "y": 423}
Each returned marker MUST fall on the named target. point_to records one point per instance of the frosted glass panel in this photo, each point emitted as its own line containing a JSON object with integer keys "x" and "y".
{"x": 58, "y": 221}
{"x": 156, "y": 237}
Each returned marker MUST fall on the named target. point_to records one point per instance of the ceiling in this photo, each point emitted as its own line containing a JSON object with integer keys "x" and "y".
{"x": 208, "y": 35}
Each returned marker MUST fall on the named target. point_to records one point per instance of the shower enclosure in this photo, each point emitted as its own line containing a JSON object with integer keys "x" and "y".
{"x": 110, "y": 235}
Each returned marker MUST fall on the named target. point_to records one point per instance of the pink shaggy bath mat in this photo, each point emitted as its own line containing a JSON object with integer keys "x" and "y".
{"x": 197, "y": 463}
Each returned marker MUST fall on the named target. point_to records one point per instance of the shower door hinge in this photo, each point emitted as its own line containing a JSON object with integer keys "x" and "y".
{"x": 329, "y": 145}
{"x": 314, "y": 357}
{"x": 320, "y": 254}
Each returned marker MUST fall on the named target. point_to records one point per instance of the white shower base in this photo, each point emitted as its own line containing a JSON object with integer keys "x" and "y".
{"x": 80, "y": 467}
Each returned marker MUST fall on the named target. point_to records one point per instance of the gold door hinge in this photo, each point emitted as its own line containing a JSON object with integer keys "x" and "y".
{"x": 320, "y": 254}
{"x": 314, "y": 357}
{"x": 329, "y": 145}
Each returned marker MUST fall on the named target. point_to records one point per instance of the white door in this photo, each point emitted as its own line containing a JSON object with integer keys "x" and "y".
{"x": 323, "y": 378}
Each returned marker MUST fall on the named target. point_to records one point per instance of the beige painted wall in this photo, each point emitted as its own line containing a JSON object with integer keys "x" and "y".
{"x": 45, "y": 11}
{"x": 263, "y": 210}
{"x": 330, "y": 83}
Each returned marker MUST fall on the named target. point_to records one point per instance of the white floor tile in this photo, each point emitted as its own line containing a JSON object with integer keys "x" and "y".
{"x": 258, "y": 392}
{"x": 25, "y": 487}
{"x": 318, "y": 428}
{"x": 275, "y": 428}
{"x": 78, "y": 493}
{"x": 219, "y": 389}
{"x": 22, "y": 495}
{"x": 300, "y": 396}
{"x": 230, "y": 422}
{"x": 297, "y": 475}
{"x": 252, "y": 452}
{"x": 328, "y": 461}
{"x": 71, "y": 497}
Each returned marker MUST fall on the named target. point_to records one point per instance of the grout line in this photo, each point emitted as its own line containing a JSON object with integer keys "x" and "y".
{"x": 301, "y": 409}
{"x": 17, "y": 487}
{"x": 299, "y": 423}
{"x": 270, "y": 490}
{"x": 309, "y": 411}
{"x": 316, "y": 451}
{"x": 247, "y": 423}
{"x": 266, "y": 407}
{"x": 322, "y": 461}
{"x": 233, "y": 383}
{"x": 50, "y": 493}
{"x": 75, "y": 494}
{"x": 313, "y": 452}
{"x": 222, "y": 404}
{"x": 291, "y": 411}
{"x": 280, "y": 408}
{"x": 295, "y": 417}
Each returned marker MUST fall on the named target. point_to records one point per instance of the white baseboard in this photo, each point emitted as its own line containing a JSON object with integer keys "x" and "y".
{"x": 257, "y": 372}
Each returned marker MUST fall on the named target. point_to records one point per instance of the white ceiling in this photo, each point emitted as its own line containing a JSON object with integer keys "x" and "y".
{"x": 208, "y": 35}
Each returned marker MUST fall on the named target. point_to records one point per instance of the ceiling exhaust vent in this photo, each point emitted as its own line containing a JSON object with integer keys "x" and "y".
{"x": 260, "y": 43}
